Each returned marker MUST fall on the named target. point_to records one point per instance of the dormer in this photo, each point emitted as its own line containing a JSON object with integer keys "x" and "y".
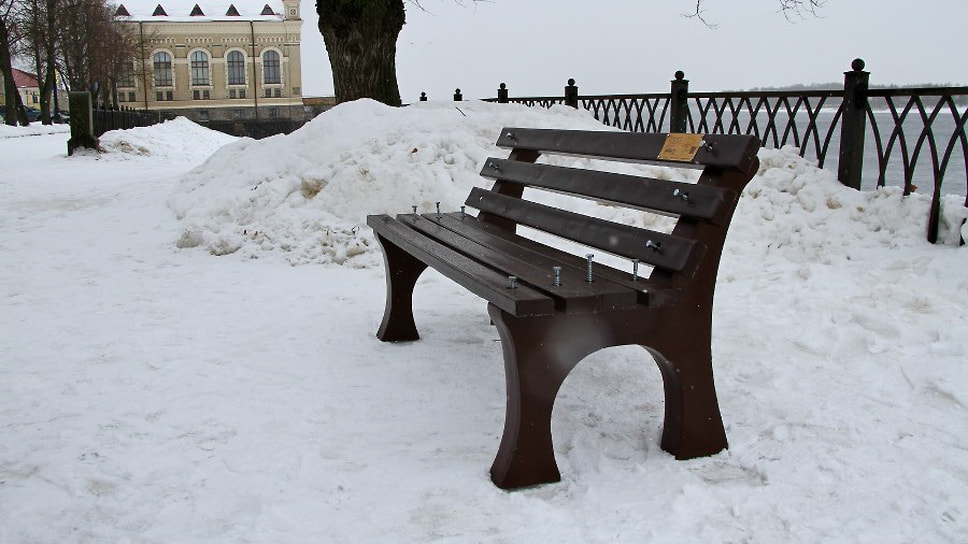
{"x": 232, "y": 12}
{"x": 122, "y": 11}
{"x": 159, "y": 12}
{"x": 196, "y": 12}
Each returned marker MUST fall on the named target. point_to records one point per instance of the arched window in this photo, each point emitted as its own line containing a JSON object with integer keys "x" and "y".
{"x": 162, "y": 69}
{"x": 199, "y": 62}
{"x": 270, "y": 67}
{"x": 236, "y": 65}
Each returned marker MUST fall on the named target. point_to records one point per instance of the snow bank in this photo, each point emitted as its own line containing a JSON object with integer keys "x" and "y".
{"x": 305, "y": 196}
{"x": 34, "y": 129}
{"x": 179, "y": 138}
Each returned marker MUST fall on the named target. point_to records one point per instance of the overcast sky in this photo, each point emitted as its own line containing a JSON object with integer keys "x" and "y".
{"x": 635, "y": 46}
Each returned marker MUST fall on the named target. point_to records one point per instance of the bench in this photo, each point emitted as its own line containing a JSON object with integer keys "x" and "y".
{"x": 553, "y": 307}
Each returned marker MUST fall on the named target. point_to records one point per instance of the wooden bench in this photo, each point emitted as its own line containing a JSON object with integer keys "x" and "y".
{"x": 552, "y": 308}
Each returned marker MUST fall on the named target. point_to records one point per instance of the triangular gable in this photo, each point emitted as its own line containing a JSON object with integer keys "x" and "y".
{"x": 196, "y": 12}
{"x": 122, "y": 12}
{"x": 159, "y": 12}
{"x": 232, "y": 12}
{"x": 267, "y": 11}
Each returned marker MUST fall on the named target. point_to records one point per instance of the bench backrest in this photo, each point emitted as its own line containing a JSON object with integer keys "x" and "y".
{"x": 704, "y": 209}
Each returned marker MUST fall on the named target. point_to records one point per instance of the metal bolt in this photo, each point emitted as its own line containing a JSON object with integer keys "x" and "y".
{"x": 680, "y": 194}
{"x": 462, "y": 211}
{"x": 494, "y": 166}
{"x": 706, "y": 145}
{"x": 557, "y": 271}
{"x": 635, "y": 270}
{"x": 512, "y": 281}
{"x": 414, "y": 210}
{"x": 589, "y": 257}
{"x": 654, "y": 246}
{"x": 510, "y": 135}
{"x": 438, "y": 209}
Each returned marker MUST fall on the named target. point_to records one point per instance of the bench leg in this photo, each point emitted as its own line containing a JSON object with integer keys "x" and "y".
{"x": 539, "y": 352}
{"x": 693, "y": 424}
{"x": 402, "y": 271}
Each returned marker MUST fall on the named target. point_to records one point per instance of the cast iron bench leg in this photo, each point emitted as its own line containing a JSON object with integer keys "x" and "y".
{"x": 402, "y": 271}
{"x": 539, "y": 352}
{"x": 693, "y": 425}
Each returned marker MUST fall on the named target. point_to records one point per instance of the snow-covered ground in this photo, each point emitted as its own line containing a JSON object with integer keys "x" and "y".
{"x": 187, "y": 354}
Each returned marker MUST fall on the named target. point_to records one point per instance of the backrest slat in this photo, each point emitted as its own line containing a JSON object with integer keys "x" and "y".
{"x": 730, "y": 152}
{"x": 661, "y": 250}
{"x": 667, "y": 197}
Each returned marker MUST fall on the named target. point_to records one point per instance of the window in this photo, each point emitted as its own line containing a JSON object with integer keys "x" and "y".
{"x": 278, "y": 93}
{"x": 273, "y": 113}
{"x": 270, "y": 68}
{"x": 199, "y": 63}
{"x": 268, "y": 93}
{"x": 236, "y": 65}
{"x": 162, "y": 69}
{"x": 127, "y": 74}
{"x": 131, "y": 96}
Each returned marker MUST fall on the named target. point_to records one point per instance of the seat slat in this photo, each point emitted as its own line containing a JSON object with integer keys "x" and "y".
{"x": 498, "y": 239}
{"x": 697, "y": 201}
{"x": 733, "y": 152}
{"x": 477, "y": 278}
{"x": 668, "y": 252}
{"x": 574, "y": 295}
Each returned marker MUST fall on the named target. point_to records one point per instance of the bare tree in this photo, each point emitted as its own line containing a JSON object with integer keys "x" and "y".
{"x": 94, "y": 47}
{"x": 13, "y": 104}
{"x": 791, "y": 9}
{"x": 40, "y": 22}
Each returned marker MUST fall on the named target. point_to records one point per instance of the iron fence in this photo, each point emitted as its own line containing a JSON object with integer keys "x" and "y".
{"x": 872, "y": 137}
{"x": 111, "y": 118}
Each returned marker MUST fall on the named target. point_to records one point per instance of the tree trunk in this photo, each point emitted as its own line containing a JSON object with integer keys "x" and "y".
{"x": 361, "y": 40}
{"x": 9, "y": 85}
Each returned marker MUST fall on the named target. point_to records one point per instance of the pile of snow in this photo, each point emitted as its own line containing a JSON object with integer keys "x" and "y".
{"x": 179, "y": 138}
{"x": 305, "y": 196}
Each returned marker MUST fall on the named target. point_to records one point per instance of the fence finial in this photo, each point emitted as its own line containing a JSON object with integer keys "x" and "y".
{"x": 571, "y": 94}
{"x": 858, "y": 65}
{"x": 423, "y": 97}
{"x": 502, "y": 94}
{"x": 458, "y": 97}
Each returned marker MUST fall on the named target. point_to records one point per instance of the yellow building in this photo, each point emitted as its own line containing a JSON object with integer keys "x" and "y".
{"x": 215, "y": 60}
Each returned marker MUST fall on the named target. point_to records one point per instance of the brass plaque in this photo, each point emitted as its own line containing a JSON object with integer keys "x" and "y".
{"x": 681, "y": 147}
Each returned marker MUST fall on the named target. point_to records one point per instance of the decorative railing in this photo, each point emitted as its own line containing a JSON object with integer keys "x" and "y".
{"x": 110, "y": 118}
{"x": 872, "y": 137}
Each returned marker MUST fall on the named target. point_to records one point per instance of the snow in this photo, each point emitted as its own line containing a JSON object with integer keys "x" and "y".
{"x": 153, "y": 392}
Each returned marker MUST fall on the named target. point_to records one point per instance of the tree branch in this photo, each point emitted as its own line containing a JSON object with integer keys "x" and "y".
{"x": 791, "y": 10}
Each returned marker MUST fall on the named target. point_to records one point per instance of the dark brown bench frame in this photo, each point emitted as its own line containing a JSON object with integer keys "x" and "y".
{"x": 546, "y": 330}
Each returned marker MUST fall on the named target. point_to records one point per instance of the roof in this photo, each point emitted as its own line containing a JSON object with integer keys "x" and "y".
{"x": 24, "y": 79}
{"x": 200, "y": 10}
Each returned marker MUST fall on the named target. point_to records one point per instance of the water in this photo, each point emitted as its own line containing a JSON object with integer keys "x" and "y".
{"x": 954, "y": 179}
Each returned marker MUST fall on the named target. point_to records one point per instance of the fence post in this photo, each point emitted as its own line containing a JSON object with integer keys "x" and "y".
{"x": 571, "y": 94}
{"x": 853, "y": 125}
{"x": 457, "y": 96}
{"x": 502, "y": 94}
{"x": 679, "y": 106}
{"x": 82, "y": 121}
